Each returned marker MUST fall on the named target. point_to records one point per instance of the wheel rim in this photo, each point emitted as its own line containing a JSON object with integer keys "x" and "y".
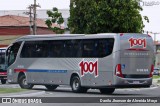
{"x": 24, "y": 81}
{"x": 75, "y": 84}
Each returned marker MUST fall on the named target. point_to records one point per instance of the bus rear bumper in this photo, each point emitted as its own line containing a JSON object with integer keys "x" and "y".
{"x": 132, "y": 82}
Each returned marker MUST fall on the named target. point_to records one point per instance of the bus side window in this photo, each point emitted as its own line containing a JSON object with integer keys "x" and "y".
{"x": 27, "y": 50}
{"x": 77, "y": 50}
{"x": 40, "y": 50}
{"x": 88, "y": 48}
{"x": 55, "y": 49}
{"x": 33, "y": 49}
{"x": 101, "y": 48}
{"x": 71, "y": 48}
{"x": 105, "y": 47}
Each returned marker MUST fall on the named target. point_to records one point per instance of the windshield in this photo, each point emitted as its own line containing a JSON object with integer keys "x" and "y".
{"x": 11, "y": 53}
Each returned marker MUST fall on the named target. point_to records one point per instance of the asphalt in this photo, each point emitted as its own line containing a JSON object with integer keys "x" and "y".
{"x": 30, "y": 93}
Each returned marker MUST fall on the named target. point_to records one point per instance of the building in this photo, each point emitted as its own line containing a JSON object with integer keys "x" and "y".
{"x": 41, "y": 14}
{"x": 17, "y": 24}
{"x": 12, "y": 27}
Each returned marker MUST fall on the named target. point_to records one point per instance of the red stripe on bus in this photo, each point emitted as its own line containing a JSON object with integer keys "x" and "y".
{"x": 20, "y": 70}
{"x": 137, "y": 49}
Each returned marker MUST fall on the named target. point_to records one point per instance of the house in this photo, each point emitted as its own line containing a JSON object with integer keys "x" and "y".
{"x": 13, "y": 26}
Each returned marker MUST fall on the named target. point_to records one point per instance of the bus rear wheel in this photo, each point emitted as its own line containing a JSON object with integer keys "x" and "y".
{"x": 23, "y": 83}
{"x": 76, "y": 85}
{"x": 107, "y": 90}
{"x": 51, "y": 87}
{"x": 3, "y": 81}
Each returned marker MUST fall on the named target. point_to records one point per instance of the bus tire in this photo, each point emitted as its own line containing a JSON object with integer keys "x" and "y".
{"x": 107, "y": 90}
{"x": 23, "y": 83}
{"x": 76, "y": 85}
{"x": 51, "y": 87}
{"x": 3, "y": 81}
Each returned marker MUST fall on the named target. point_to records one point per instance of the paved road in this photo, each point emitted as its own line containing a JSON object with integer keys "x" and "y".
{"x": 64, "y": 91}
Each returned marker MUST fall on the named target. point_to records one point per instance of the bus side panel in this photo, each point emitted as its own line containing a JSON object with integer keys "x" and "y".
{"x": 105, "y": 73}
{"x": 59, "y": 71}
{"x": 106, "y": 68}
{"x": 12, "y": 77}
{"x": 43, "y": 71}
{"x": 51, "y": 70}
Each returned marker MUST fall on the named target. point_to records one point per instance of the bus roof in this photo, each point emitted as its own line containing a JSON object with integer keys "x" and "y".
{"x": 64, "y": 36}
{"x": 73, "y": 36}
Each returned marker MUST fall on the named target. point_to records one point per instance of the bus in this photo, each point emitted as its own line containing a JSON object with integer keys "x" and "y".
{"x": 3, "y": 71}
{"x": 96, "y": 61}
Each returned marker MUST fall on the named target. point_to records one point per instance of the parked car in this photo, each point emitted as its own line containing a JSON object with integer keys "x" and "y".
{"x": 156, "y": 71}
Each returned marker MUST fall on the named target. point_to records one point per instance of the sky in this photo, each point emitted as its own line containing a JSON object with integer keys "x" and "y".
{"x": 22, "y": 4}
{"x": 152, "y": 11}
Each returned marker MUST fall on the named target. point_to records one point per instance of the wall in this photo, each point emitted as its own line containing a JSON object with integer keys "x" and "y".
{"x": 22, "y": 31}
{"x": 10, "y": 34}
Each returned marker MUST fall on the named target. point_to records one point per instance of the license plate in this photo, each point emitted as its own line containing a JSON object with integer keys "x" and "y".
{"x": 136, "y": 82}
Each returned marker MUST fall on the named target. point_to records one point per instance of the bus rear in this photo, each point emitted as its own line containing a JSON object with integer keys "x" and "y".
{"x": 135, "y": 67}
{"x": 3, "y": 71}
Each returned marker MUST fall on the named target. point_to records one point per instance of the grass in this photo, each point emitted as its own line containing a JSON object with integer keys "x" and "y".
{"x": 156, "y": 76}
{"x": 11, "y": 90}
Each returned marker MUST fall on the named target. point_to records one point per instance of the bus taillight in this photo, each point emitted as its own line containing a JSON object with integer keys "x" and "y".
{"x": 152, "y": 70}
{"x": 118, "y": 71}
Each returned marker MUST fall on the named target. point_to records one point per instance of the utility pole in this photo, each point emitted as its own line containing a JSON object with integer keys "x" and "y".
{"x": 30, "y": 19}
{"x": 35, "y": 17}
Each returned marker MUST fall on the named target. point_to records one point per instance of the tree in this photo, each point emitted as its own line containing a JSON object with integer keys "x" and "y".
{"x": 55, "y": 18}
{"x": 105, "y": 16}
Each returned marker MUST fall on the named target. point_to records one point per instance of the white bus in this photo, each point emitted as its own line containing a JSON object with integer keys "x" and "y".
{"x": 99, "y": 61}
